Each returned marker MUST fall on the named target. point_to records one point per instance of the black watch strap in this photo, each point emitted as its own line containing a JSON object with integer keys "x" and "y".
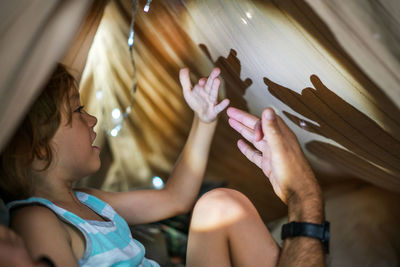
{"x": 313, "y": 230}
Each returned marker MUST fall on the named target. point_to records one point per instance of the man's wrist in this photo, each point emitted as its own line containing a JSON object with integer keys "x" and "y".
{"x": 306, "y": 206}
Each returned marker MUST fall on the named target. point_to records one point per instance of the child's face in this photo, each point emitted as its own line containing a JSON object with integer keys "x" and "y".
{"x": 75, "y": 155}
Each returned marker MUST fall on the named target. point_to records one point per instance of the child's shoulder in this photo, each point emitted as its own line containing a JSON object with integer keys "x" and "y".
{"x": 36, "y": 222}
{"x": 33, "y": 215}
{"x": 43, "y": 232}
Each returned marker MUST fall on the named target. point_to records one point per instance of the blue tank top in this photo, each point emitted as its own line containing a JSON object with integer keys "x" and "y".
{"x": 108, "y": 243}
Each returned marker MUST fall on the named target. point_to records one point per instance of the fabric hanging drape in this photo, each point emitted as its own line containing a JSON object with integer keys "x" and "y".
{"x": 34, "y": 35}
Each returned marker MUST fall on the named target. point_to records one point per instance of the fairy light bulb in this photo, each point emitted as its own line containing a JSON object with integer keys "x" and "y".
{"x": 158, "y": 183}
{"x": 99, "y": 95}
{"x": 147, "y": 6}
{"x": 116, "y": 113}
{"x": 130, "y": 38}
{"x": 115, "y": 131}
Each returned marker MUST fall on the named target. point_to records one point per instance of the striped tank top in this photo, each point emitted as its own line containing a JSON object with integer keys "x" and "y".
{"x": 108, "y": 243}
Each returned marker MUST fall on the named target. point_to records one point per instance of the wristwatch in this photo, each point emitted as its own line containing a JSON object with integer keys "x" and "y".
{"x": 313, "y": 230}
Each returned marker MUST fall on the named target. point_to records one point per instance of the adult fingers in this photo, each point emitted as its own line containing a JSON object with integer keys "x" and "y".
{"x": 247, "y": 134}
{"x": 16, "y": 240}
{"x": 258, "y": 133}
{"x": 3, "y": 233}
{"x": 271, "y": 130}
{"x": 214, "y": 74}
{"x": 251, "y": 154}
{"x": 243, "y": 117}
{"x": 221, "y": 106}
{"x": 9, "y": 236}
{"x": 184, "y": 78}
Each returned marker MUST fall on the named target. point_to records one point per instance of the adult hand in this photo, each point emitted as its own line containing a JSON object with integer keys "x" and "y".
{"x": 202, "y": 98}
{"x": 13, "y": 251}
{"x": 277, "y": 152}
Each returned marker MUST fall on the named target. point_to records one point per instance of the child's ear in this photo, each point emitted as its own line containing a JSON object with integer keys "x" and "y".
{"x": 43, "y": 158}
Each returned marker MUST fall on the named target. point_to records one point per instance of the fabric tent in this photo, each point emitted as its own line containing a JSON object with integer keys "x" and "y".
{"x": 34, "y": 36}
{"x": 329, "y": 68}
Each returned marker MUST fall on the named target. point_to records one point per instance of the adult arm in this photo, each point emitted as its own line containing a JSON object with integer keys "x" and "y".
{"x": 182, "y": 187}
{"x": 277, "y": 152}
{"x": 13, "y": 251}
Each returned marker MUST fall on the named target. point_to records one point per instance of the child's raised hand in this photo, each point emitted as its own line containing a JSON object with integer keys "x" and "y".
{"x": 202, "y": 98}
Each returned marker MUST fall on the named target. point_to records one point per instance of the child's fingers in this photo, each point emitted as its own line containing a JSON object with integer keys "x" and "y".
{"x": 242, "y": 117}
{"x": 214, "y": 90}
{"x": 252, "y": 154}
{"x": 214, "y": 74}
{"x": 184, "y": 78}
{"x": 202, "y": 81}
{"x": 221, "y": 106}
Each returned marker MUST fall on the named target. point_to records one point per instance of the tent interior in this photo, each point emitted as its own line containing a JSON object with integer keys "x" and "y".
{"x": 330, "y": 69}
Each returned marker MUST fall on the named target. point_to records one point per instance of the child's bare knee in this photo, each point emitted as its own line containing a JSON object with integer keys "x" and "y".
{"x": 220, "y": 208}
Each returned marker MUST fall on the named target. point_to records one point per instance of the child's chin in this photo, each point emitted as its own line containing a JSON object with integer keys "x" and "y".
{"x": 97, "y": 167}
{"x": 93, "y": 167}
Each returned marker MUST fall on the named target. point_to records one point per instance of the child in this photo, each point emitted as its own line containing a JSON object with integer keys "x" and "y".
{"x": 87, "y": 227}
{"x": 53, "y": 148}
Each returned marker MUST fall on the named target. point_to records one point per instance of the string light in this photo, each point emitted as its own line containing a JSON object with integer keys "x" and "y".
{"x": 147, "y": 6}
{"x": 158, "y": 183}
{"x": 116, "y": 113}
{"x": 99, "y": 95}
{"x": 130, "y": 39}
{"x": 116, "y": 123}
{"x": 115, "y": 131}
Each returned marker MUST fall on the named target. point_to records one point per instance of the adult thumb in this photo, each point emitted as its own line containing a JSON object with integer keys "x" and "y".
{"x": 270, "y": 128}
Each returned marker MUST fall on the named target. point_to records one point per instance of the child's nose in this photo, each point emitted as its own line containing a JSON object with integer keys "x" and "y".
{"x": 92, "y": 120}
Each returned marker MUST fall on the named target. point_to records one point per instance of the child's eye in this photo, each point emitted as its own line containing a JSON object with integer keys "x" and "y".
{"x": 80, "y": 109}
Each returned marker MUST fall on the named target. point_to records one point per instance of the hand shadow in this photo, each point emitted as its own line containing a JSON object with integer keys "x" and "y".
{"x": 230, "y": 72}
{"x": 370, "y": 148}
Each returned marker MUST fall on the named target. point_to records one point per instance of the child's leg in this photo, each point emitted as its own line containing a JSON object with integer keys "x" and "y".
{"x": 226, "y": 230}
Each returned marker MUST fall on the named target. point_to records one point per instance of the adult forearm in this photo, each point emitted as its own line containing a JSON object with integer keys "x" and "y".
{"x": 187, "y": 175}
{"x": 306, "y": 204}
{"x": 304, "y": 251}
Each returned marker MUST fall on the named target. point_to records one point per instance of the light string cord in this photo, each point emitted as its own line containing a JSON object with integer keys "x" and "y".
{"x": 116, "y": 113}
{"x": 131, "y": 41}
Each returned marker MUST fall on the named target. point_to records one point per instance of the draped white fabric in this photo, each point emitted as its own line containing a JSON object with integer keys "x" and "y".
{"x": 34, "y": 35}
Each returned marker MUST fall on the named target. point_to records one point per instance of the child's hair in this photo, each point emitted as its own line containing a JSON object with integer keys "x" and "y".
{"x": 32, "y": 138}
